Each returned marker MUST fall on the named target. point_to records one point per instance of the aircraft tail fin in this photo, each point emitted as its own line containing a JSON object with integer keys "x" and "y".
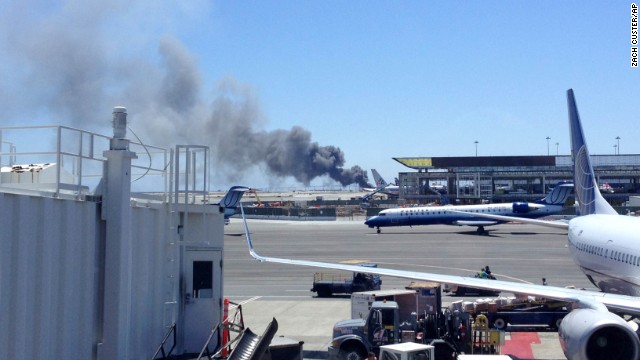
{"x": 588, "y": 197}
{"x": 380, "y": 183}
{"x": 559, "y": 194}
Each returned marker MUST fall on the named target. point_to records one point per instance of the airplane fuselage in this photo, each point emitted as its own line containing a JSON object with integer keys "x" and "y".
{"x": 613, "y": 265}
{"x": 392, "y": 190}
{"x": 428, "y": 215}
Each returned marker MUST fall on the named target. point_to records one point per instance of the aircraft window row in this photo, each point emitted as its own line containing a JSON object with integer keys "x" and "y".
{"x": 420, "y": 212}
{"x": 615, "y": 255}
{"x": 426, "y": 212}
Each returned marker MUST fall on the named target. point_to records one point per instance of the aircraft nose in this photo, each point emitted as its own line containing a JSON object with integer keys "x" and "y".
{"x": 371, "y": 221}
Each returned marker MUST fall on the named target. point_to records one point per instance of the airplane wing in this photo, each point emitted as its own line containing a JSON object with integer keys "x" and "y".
{"x": 582, "y": 298}
{"x": 547, "y": 223}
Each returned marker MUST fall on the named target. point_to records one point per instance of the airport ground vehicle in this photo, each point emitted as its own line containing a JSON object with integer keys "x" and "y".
{"x": 408, "y": 301}
{"x": 522, "y": 313}
{"x": 327, "y": 284}
{"x": 543, "y": 313}
{"x": 407, "y": 351}
{"x": 353, "y": 339}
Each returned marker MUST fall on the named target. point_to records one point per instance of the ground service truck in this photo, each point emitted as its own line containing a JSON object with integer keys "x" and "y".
{"x": 354, "y": 339}
{"x": 327, "y": 284}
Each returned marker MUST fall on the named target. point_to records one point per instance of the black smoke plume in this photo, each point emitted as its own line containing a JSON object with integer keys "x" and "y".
{"x": 65, "y": 64}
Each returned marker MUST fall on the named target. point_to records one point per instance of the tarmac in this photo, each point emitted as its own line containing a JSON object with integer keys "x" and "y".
{"x": 266, "y": 291}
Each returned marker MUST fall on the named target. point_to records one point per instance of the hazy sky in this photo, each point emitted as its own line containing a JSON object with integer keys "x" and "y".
{"x": 345, "y": 85}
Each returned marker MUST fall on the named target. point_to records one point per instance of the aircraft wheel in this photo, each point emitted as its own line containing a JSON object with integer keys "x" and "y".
{"x": 378, "y": 231}
{"x": 500, "y": 324}
{"x": 480, "y": 230}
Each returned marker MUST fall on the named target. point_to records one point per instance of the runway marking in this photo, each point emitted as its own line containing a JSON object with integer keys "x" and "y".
{"x": 519, "y": 344}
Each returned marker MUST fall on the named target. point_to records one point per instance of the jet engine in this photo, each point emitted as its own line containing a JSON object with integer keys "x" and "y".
{"x": 522, "y": 207}
{"x": 593, "y": 334}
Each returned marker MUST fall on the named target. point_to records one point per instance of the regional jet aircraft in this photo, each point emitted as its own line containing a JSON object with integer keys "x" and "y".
{"x": 603, "y": 244}
{"x": 553, "y": 203}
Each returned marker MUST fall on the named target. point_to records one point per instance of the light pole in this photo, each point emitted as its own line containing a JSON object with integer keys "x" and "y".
{"x": 476, "y": 142}
{"x": 618, "y": 147}
{"x": 548, "y": 138}
{"x": 615, "y": 149}
{"x": 557, "y": 144}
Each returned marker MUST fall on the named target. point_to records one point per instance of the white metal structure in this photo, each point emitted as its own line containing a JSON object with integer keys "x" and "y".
{"x": 407, "y": 351}
{"x": 90, "y": 269}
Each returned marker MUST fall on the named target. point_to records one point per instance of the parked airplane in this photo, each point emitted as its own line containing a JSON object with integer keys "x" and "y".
{"x": 553, "y": 203}
{"x": 603, "y": 244}
{"x": 382, "y": 186}
{"x": 230, "y": 201}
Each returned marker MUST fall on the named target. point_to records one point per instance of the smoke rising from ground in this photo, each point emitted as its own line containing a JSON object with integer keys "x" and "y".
{"x": 65, "y": 64}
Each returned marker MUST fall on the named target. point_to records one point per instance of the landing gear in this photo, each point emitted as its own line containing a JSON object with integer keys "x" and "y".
{"x": 481, "y": 230}
{"x": 378, "y": 231}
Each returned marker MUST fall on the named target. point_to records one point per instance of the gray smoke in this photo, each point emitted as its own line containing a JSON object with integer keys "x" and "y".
{"x": 64, "y": 65}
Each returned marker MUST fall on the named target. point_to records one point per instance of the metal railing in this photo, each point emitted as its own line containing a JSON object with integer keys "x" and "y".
{"x": 171, "y": 331}
{"x": 74, "y": 160}
{"x": 234, "y": 324}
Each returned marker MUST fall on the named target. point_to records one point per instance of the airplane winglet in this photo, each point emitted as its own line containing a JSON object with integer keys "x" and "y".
{"x": 233, "y": 196}
{"x": 248, "y": 236}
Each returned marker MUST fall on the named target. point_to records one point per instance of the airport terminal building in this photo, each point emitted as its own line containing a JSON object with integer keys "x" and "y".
{"x": 508, "y": 178}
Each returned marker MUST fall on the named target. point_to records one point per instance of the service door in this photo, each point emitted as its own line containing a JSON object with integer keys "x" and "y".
{"x": 202, "y": 298}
